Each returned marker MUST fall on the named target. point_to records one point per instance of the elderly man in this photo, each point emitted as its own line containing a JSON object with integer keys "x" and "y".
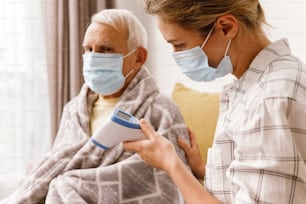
{"x": 76, "y": 170}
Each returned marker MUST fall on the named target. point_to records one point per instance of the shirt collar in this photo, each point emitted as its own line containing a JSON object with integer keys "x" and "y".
{"x": 270, "y": 54}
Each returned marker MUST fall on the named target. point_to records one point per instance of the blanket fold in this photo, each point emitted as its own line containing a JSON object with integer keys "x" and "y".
{"x": 77, "y": 171}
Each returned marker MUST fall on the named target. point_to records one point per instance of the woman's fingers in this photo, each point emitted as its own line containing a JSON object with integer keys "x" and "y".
{"x": 156, "y": 151}
{"x": 131, "y": 146}
{"x": 147, "y": 128}
{"x": 188, "y": 147}
{"x": 193, "y": 154}
{"x": 138, "y": 145}
{"x": 184, "y": 145}
{"x": 193, "y": 140}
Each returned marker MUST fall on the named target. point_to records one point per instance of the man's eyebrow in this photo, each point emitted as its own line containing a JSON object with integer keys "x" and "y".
{"x": 102, "y": 44}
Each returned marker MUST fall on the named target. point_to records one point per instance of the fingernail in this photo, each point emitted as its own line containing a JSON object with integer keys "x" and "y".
{"x": 142, "y": 121}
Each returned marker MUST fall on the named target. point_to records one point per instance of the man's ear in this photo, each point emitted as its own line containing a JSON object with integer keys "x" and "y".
{"x": 228, "y": 25}
{"x": 141, "y": 56}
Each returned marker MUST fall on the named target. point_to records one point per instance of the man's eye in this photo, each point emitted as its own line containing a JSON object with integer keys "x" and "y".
{"x": 87, "y": 49}
{"x": 107, "y": 50}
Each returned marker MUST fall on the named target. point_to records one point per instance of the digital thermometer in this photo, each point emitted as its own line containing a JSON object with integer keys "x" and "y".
{"x": 120, "y": 126}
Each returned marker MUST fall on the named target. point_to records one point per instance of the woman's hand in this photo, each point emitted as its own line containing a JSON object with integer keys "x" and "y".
{"x": 156, "y": 151}
{"x": 193, "y": 155}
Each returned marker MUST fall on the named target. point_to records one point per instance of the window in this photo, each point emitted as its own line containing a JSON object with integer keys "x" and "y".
{"x": 24, "y": 105}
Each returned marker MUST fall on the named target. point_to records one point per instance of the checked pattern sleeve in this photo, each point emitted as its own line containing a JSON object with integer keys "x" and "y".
{"x": 268, "y": 165}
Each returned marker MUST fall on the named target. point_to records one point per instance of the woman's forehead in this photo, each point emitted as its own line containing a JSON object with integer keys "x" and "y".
{"x": 174, "y": 32}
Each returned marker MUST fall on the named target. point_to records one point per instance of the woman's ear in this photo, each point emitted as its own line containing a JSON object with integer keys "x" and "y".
{"x": 228, "y": 25}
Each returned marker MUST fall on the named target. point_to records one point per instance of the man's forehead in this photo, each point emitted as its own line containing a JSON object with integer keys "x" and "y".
{"x": 104, "y": 34}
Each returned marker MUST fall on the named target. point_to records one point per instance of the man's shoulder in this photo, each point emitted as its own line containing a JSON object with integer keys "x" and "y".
{"x": 161, "y": 98}
{"x": 72, "y": 103}
{"x": 166, "y": 104}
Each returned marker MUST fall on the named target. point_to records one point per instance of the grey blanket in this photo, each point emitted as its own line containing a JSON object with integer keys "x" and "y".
{"x": 76, "y": 171}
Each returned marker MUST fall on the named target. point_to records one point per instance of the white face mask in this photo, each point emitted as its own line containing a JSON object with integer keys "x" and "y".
{"x": 102, "y": 72}
{"x": 194, "y": 63}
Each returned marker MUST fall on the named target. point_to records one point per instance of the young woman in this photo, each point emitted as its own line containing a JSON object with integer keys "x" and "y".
{"x": 258, "y": 154}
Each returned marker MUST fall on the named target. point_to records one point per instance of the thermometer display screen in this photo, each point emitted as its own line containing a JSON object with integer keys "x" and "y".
{"x": 123, "y": 115}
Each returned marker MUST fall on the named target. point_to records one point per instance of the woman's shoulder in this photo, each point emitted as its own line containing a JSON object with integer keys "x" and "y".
{"x": 285, "y": 77}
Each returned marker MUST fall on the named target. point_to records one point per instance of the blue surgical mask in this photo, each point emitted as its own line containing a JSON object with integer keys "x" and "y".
{"x": 194, "y": 63}
{"x": 102, "y": 72}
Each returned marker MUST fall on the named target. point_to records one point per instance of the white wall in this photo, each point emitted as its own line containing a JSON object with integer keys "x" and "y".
{"x": 288, "y": 18}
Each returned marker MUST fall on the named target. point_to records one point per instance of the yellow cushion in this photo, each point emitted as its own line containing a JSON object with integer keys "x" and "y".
{"x": 200, "y": 111}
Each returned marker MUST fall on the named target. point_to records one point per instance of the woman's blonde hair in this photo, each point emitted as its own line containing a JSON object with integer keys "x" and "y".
{"x": 200, "y": 15}
{"x": 121, "y": 20}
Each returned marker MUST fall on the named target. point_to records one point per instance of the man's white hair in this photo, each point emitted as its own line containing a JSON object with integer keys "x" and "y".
{"x": 121, "y": 19}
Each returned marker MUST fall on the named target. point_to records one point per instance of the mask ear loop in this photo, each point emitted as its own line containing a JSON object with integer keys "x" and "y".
{"x": 128, "y": 54}
{"x": 130, "y": 72}
{"x": 209, "y": 34}
{"x": 227, "y": 47}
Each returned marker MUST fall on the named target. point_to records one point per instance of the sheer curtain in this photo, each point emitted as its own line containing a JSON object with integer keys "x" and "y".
{"x": 24, "y": 103}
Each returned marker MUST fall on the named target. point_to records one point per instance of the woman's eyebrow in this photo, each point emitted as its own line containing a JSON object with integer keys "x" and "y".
{"x": 172, "y": 41}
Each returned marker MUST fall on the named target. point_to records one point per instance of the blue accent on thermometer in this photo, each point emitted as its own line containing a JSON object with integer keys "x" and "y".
{"x": 120, "y": 126}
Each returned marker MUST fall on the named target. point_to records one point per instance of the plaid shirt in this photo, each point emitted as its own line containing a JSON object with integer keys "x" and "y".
{"x": 259, "y": 151}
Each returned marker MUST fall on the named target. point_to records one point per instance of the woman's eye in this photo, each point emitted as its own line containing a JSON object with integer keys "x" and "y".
{"x": 179, "y": 47}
